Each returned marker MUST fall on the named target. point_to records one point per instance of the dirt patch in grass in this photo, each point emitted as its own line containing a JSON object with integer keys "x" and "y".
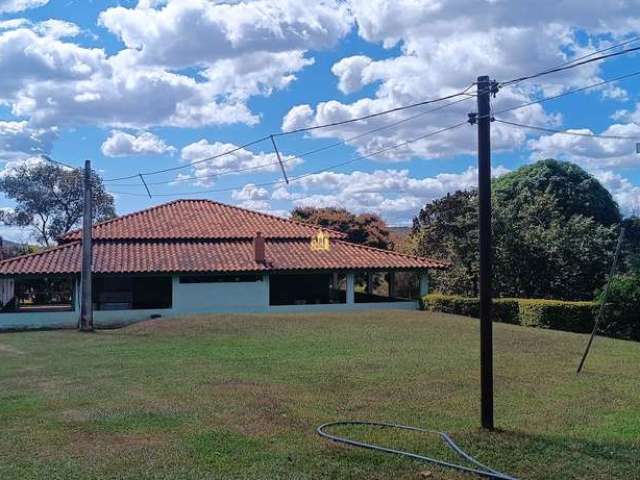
{"x": 260, "y": 410}
{"x": 114, "y": 443}
{"x": 4, "y": 348}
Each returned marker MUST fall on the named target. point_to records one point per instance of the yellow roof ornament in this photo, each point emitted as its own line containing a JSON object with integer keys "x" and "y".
{"x": 320, "y": 242}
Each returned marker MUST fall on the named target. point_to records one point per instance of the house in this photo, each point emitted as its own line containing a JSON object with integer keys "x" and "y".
{"x": 194, "y": 256}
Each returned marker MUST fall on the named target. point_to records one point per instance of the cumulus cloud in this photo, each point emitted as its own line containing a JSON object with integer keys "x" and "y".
{"x": 394, "y": 194}
{"x": 173, "y": 33}
{"x": 443, "y": 47}
{"x": 187, "y": 63}
{"x": 623, "y": 190}
{"x": 241, "y": 159}
{"x": 13, "y": 6}
{"x": 19, "y": 139}
{"x": 250, "y": 192}
{"x": 591, "y": 152}
{"x": 120, "y": 144}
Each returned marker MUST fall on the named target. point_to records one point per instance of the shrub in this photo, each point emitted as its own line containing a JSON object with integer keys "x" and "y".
{"x": 504, "y": 310}
{"x": 558, "y": 315}
{"x": 622, "y": 313}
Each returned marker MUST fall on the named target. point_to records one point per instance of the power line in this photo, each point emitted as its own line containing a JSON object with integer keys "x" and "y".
{"x": 315, "y": 172}
{"x": 299, "y": 130}
{"x": 296, "y": 156}
{"x": 566, "y": 132}
{"x": 58, "y": 163}
{"x": 569, "y": 92}
{"x": 568, "y": 67}
{"x": 574, "y": 64}
{"x": 373, "y": 115}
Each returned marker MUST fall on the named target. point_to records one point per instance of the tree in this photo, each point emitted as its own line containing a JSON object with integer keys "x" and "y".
{"x": 554, "y": 232}
{"x": 49, "y": 199}
{"x": 447, "y": 228}
{"x": 366, "y": 229}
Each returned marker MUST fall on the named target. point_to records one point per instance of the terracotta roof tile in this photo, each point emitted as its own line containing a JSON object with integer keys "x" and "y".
{"x": 211, "y": 256}
{"x": 198, "y": 219}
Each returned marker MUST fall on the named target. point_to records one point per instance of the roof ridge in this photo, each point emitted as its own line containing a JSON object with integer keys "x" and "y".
{"x": 268, "y": 215}
{"x": 41, "y": 252}
{"x": 119, "y": 217}
{"x": 64, "y": 238}
{"x": 407, "y": 255}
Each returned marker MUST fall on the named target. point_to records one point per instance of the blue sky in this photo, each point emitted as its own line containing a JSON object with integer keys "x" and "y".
{"x": 144, "y": 86}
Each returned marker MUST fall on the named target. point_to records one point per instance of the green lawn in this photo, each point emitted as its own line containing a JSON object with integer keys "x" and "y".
{"x": 220, "y": 397}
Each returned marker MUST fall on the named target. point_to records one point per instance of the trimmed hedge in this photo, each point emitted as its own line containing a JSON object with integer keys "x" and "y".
{"x": 558, "y": 315}
{"x": 555, "y": 314}
{"x": 505, "y": 310}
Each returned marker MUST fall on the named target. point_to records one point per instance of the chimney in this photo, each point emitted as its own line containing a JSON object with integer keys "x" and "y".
{"x": 258, "y": 248}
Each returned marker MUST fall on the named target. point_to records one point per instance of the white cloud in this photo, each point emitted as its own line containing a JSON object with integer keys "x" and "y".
{"x": 13, "y": 6}
{"x": 121, "y": 144}
{"x": 18, "y": 139}
{"x": 443, "y": 47}
{"x": 623, "y": 190}
{"x": 180, "y": 33}
{"x": 592, "y": 152}
{"x": 393, "y": 194}
{"x": 250, "y": 192}
{"x": 230, "y": 52}
{"x": 241, "y": 159}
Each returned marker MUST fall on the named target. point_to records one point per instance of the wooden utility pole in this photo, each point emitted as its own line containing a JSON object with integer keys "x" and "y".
{"x": 484, "y": 223}
{"x": 86, "y": 303}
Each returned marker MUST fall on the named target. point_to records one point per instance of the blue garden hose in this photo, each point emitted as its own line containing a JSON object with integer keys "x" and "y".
{"x": 479, "y": 469}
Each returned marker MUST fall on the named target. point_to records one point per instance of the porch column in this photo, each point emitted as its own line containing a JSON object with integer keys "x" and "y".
{"x": 424, "y": 283}
{"x": 370, "y": 283}
{"x": 350, "y": 288}
{"x": 392, "y": 284}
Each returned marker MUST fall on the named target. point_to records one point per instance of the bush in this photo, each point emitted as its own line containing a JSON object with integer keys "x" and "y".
{"x": 558, "y": 315}
{"x": 505, "y": 310}
{"x": 555, "y": 314}
{"x": 622, "y": 313}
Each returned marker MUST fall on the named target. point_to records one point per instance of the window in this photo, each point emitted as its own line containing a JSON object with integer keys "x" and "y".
{"x": 125, "y": 293}
{"x": 220, "y": 278}
{"x": 38, "y": 294}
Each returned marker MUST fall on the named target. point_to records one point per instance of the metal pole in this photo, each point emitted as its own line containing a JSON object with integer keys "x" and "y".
{"x": 86, "y": 304}
{"x": 484, "y": 224}
{"x": 604, "y": 301}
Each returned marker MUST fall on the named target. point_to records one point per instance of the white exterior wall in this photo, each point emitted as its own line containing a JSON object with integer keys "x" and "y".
{"x": 188, "y": 298}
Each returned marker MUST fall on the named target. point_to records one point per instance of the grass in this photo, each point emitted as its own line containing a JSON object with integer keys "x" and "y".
{"x": 239, "y": 397}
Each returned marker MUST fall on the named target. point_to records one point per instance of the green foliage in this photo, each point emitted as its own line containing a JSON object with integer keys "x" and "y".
{"x": 558, "y": 315}
{"x": 447, "y": 229}
{"x": 366, "y": 229}
{"x": 49, "y": 199}
{"x": 572, "y": 190}
{"x": 554, "y": 314}
{"x": 504, "y": 310}
{"x": 622, "y": 313}
{"x": 630, "y": 253}
{"x": 554, "y": 231}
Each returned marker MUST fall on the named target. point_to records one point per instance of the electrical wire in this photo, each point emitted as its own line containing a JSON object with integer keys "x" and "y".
{"x": 568, "y": 67}
{"x": 296, "y": 156}
{"x": 315, "y": 172}
{"x": 477, "y": 469}
{"x": 568, "y": 92}
{"x": 299, "y": 130}
{"x": 566, "y": 132}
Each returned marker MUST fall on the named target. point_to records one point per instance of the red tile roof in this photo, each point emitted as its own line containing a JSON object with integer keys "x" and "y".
{"x": 211, "y": 256}
{"x": 206, "y": 236}
{"x": 198, "y": 219}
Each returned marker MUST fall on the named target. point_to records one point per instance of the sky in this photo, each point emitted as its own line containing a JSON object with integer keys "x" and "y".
{"x": 145, "y": 86}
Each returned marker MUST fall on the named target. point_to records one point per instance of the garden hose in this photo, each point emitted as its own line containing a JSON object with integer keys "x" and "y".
{"x": 479, "y": 469}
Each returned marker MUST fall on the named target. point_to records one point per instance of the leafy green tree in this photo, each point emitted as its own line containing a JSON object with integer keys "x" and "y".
{"x": 573, "y": 190}
{"x": 554, "y": 232}
{"x": 447, "y": 228}
{"x": 49, "y": 199}
{"x": 366, "y": 229}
